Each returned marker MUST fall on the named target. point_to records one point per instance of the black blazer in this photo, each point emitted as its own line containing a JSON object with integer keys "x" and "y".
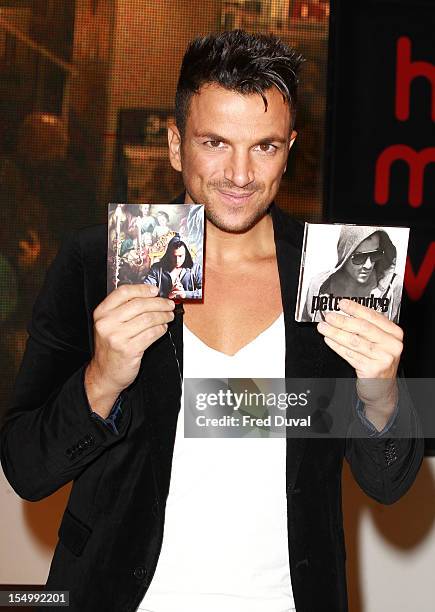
{"x": 111, "y": 533}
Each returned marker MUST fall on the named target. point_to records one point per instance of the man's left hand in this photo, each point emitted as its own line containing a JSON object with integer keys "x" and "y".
{"x": 372, "y": 344}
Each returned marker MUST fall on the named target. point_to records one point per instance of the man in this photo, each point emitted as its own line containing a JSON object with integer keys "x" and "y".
{"x": 176, "y": 276}
{"x": 365, "y": 267}
{"x": 98, "y": 399}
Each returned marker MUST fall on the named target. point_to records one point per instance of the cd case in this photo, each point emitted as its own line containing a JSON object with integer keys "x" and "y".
{"x": 157, "y": 244}
{"x": 362, "y": 263}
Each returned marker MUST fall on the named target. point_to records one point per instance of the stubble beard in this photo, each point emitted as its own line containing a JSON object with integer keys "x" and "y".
{"x": 228, "y": 224}
{"x": 237, "y": 227}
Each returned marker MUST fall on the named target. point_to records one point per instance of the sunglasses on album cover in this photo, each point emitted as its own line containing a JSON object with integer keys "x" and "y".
{"x": 359, "y": 258}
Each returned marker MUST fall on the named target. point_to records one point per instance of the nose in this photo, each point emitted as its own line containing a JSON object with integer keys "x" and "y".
{"x": 368, "y": 263}
{"x": 239, "y": 169}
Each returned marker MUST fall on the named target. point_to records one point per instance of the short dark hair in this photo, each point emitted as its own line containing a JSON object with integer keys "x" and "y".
{"x": 237, "y": 61}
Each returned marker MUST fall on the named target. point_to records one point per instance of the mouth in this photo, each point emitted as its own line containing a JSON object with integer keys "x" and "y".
{"x": 235, "y": 198}
{"x": 364, "y": 275}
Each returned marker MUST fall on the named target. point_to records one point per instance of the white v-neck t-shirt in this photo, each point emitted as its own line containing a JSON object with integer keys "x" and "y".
{"x": 225, "y": 545}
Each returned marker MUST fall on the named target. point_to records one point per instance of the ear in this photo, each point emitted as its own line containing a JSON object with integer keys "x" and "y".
{"x": 174, "y": 143}
{"x": 290, "y": 144}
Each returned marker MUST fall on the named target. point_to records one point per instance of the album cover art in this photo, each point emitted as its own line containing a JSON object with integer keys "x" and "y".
{"x": 362, "y": 263}
{"x": 157, "y": 244}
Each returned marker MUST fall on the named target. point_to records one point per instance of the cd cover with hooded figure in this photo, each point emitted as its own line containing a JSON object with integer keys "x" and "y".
{"x": 157, "y": 244}
{"x": 362, "y": 263}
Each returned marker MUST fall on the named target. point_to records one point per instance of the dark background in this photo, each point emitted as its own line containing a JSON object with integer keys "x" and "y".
{"x": 361, "y": 123}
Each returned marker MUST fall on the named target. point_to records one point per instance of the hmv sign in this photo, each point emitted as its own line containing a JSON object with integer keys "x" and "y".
{"x": 380, "y": 132}
{"x": 407, "y": 70}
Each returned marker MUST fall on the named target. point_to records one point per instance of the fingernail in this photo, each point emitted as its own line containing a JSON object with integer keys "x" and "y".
{"x": 154, "y": 290}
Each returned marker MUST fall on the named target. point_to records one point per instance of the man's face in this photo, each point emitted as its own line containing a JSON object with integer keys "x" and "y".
{"x": 362, "y": 273}
{"x": 233, "y": 154}
{"x": 178, "y": 257}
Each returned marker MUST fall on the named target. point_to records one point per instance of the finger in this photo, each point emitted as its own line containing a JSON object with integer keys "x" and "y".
{"x": 383, "y": 367}
{"x": 136, "y": 306}
{"x": 142, "y": 341}
{"x": 143, "y": 322}
{"x": 356, "y": 360}
{"x": 372, "y": 316}
{"x": 366, "y": 330}
{"x": 349, "y": 340}
{"x": 124, "y": 293}
{"x": 358, "y": 344}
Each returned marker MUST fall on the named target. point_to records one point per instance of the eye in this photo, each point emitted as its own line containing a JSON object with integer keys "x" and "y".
{"x": 267, "y": 147}
{"x": 214, "y": 144}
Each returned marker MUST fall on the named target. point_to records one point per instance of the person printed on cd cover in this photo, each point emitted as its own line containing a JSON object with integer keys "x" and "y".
{"x": 134, "y": 258}
{"x": 162, "y": 228}
{"x": 176, "y": 275}
{"x": 365, "y": 266}
{"x": 149, "y": 221}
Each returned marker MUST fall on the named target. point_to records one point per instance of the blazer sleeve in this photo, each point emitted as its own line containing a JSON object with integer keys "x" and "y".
{"x": 48, "y": 435}
{"x": 385, "y": 465}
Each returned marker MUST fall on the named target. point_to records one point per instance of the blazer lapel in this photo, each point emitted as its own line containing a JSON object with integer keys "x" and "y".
{"x": 302, "y": 341}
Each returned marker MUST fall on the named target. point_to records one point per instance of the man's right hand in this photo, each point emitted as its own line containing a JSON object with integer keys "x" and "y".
{"x": 126, "y": 323}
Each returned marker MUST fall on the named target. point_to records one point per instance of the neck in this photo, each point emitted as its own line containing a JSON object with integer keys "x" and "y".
{"x": 223, "y": 248}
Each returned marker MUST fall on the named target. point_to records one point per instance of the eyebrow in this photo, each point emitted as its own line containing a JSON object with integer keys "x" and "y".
{"x": 266, "y": 140}
{"x": 272, "y": 138}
